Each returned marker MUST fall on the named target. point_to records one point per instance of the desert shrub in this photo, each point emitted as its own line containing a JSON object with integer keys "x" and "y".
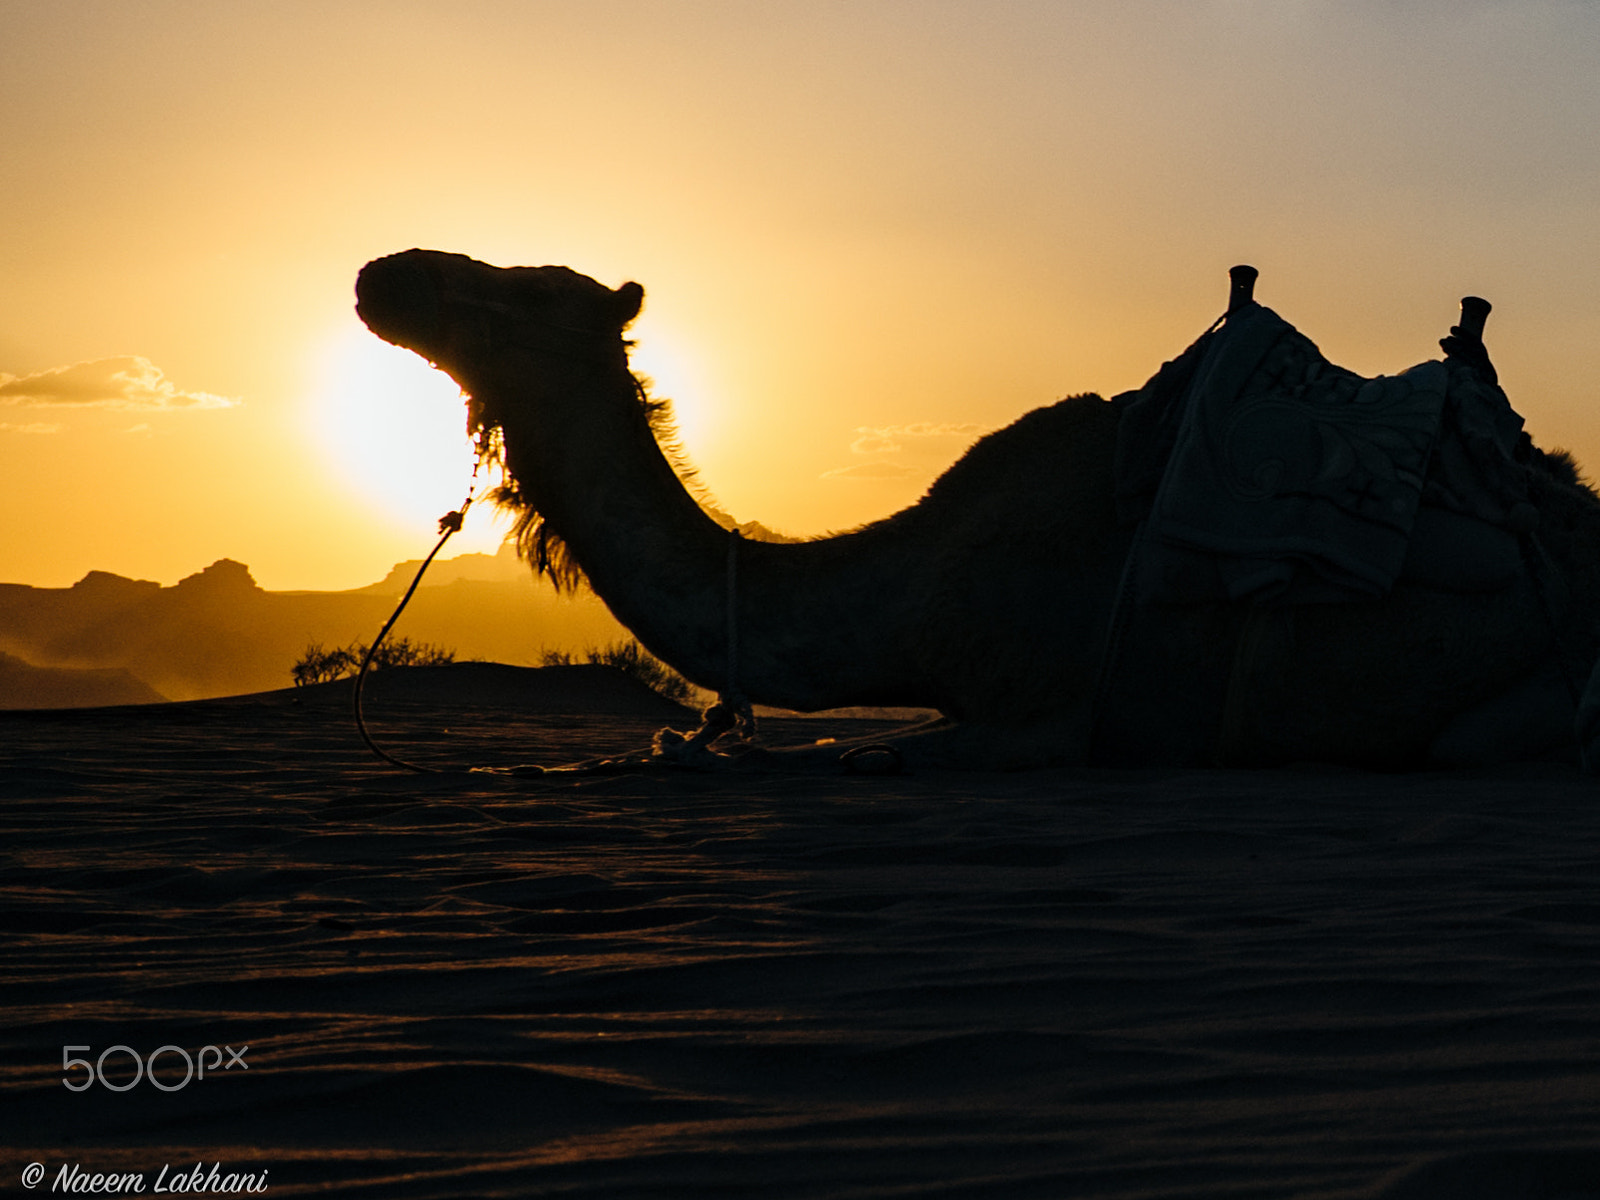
{"x": 630, "y": 658}
{"x": 317, "y": 665}
{"x": 403, "y": 652}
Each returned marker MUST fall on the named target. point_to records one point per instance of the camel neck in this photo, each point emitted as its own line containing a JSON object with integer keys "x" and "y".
{"x": 583, "y": 452}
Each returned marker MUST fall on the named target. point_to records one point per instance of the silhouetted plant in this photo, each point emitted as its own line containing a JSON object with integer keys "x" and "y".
{"x": 403, "y": 652}
{"x": 317, "y": 665}
{"x": 632, "y": 659}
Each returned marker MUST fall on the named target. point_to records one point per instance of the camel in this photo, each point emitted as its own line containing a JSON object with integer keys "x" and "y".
{"x": 1001, "y": 598}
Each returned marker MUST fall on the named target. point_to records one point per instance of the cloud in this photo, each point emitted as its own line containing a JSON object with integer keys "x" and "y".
{"x": 874, "y": 441}
{"x": 126, "y": 382}
{"x": 871, "y": 470}
{"x": 885, "y": 439}
{"x": 31, "y": 427}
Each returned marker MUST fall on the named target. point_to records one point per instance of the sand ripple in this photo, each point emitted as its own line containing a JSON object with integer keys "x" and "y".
{"x": 1104, "y": 984}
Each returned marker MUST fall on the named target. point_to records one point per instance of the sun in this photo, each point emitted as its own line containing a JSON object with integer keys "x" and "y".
{"x": 393, "y": 430}
{"x": 667, "y": 361}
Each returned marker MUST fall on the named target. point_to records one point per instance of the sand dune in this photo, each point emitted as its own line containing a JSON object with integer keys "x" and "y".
{"x": 578, "y": 688}
{"x": 1054, "y": 984}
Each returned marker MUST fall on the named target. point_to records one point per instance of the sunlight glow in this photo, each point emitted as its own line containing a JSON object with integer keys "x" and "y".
{"x": 393, "y": 430}
{"x": 665, "y": 361}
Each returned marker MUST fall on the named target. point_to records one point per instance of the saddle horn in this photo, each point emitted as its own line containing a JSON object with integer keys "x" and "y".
{"x": 1243, "y": 285}
{"x": 1474, "y": 312}
{"x": 1465, "y": 342}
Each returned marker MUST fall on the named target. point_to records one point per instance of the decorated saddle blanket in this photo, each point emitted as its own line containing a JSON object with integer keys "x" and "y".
{"x": 1261, "y": 471}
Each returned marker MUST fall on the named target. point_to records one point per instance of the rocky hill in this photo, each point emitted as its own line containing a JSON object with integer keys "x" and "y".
{"x": 218, "y": 633}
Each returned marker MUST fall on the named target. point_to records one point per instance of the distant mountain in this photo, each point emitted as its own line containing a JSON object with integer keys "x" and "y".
{"x": 23, "y": 685}
{"x": 504, "y": 567}
{"x": 218, "y": 633}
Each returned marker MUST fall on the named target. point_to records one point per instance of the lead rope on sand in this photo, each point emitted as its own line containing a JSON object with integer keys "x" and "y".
{"x": 732, "y": 710}
{"x": 449, "y": 524}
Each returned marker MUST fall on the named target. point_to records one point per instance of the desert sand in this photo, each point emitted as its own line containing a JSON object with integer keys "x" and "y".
{"x": 1049, "y": 984}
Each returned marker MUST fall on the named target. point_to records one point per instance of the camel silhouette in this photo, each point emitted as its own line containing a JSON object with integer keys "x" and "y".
{"x": 1089, "y": 585}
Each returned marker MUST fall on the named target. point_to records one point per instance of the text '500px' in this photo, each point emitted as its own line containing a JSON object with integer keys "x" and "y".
{"x": 129, "y": 1060}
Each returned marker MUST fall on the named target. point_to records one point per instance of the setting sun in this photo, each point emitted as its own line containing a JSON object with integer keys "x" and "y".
{"x": 673, "y": 374}
{"x": 392, "y": 429}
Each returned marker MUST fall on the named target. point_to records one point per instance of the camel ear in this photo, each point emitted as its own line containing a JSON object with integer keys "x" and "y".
{"x": 627, "y": 301}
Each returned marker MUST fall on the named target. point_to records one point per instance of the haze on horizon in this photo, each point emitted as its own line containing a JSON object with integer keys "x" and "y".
{"x": 867, "y": 233}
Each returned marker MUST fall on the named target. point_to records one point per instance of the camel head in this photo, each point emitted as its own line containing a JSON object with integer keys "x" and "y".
{"x": 532, "y": 348}
{"x": 455, "y": 311}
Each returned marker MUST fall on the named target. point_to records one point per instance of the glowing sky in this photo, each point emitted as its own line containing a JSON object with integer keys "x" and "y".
{"x": 868, "y": 231}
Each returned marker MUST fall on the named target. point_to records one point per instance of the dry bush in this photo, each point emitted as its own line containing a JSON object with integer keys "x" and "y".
{"x": 318, "y": 665}
{"x": 631, "y": 659}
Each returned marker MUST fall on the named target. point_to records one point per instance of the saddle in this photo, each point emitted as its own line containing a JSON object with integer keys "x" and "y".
{"x": 1259, "y": 471}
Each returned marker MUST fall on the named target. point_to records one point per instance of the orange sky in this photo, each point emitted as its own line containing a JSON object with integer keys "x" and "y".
{"x": 867, "y": 232}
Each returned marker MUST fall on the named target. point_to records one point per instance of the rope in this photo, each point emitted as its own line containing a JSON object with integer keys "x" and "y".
{"x": 449, "y": 524}
{"x": 731, "y": 712}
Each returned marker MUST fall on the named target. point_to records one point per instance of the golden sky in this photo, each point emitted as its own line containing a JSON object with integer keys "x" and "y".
{"x": 868, "y": 231}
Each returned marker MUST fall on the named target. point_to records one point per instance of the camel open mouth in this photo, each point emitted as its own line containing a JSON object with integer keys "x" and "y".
{"x": 400, "y": 298}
